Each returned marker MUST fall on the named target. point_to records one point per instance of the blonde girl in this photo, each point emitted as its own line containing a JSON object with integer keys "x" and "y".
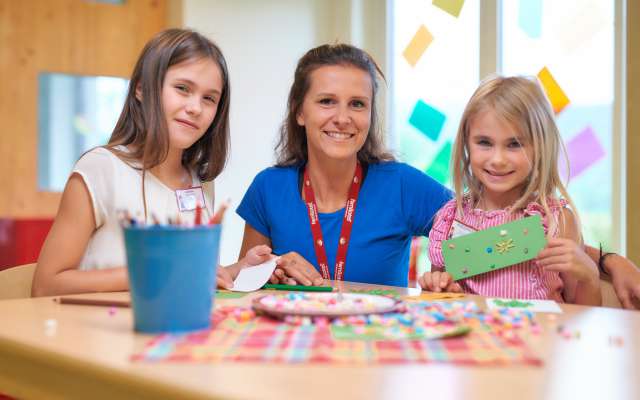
{"x": 505, "y": 167}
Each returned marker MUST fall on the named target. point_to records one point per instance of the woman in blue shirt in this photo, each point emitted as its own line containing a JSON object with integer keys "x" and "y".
{"x": 331, "y": 128}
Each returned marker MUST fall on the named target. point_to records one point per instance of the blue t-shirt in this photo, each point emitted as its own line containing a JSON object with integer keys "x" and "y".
{"x": 396, "y": 202}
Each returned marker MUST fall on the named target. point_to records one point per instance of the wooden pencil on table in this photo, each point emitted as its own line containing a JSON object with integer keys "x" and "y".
{"x": 92, "y": 302}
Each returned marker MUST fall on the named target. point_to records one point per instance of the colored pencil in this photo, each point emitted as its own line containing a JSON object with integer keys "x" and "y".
{"x": 217, "y": 217}
{"x": 300, "y": 288}
{"x": 198, "y": 218}
{"x": 92, "y": 302}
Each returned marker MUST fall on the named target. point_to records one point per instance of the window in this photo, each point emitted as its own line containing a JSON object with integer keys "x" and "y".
{"x": 438, "y": 49}
{"x": 75, "y": 114}
{"x": 434, "y": 71}
{"x": 574, "y": 41}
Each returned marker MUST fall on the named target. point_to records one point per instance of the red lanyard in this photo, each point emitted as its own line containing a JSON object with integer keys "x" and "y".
{"x": 345, "y": 232}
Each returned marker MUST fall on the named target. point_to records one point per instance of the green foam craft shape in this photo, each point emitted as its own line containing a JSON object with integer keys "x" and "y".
{"x": 494, "y": 248}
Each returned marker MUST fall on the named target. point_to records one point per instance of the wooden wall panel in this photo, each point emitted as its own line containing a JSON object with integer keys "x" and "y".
{"x": 67, "y": 36}
{"x": 633, "y": 130}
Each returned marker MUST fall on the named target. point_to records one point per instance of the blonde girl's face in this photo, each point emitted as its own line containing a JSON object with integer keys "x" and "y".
{"x": 500, "y": 158}
{"x": 190, "y": 95}
{"x": 336, "y": 112}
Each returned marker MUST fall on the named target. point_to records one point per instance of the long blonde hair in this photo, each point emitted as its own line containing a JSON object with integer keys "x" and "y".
{"x": 521, "y": 103}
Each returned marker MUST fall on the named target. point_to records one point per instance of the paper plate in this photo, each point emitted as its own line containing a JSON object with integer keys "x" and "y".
{"x": 324, "y": 304}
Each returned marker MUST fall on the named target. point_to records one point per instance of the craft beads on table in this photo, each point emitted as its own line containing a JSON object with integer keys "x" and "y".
{"x": 409, "y": 321}
{"x": 318, "y": 302}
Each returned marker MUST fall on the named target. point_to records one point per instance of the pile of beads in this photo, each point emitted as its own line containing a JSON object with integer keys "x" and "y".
{"x": 415, "y": 320}
{"x": 239, "y": 314}
{"x": 330, "y": 304}
{"x": 426, "y": 319}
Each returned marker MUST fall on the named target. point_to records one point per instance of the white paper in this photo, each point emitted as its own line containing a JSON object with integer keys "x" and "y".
{"x": 549, "y": 306}
{"x": 254, "y": 277}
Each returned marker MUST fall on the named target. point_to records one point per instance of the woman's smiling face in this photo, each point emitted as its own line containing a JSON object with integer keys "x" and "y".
{"x": 336, "y": 112}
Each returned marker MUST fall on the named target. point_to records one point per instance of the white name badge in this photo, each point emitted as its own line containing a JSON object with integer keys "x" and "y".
{"x": 459, "y": 229}
{"x": 189, "y": 199}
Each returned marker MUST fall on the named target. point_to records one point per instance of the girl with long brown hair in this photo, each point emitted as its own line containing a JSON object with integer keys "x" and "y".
{"x": 170, "y": 142}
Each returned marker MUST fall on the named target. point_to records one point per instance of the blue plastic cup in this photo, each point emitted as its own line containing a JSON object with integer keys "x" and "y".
{"x": 172, "y": 276}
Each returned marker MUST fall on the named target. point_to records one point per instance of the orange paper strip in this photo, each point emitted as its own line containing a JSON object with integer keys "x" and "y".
{"x": 557, "y": 97}
{"x": 430, "y": 296}
{"x": 421, "y": 40}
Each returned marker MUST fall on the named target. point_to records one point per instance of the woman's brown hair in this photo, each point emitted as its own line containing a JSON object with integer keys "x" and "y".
{"x": 142, "y": 124}
{"x": 292, "y": 145}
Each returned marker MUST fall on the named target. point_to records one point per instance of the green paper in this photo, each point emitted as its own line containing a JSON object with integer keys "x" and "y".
{"x": 439, "y": 168}
{"x": 494, "y": 248}
{"x": 224, "y": 294}
{"x": 427, "y": 120}
{"x": 453, "y": 7}
{"x": 369, "y": 332}
{"x": 512, "y": 303}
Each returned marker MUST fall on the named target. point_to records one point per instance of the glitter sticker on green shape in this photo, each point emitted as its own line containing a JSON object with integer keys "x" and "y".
{"x": 494, "y": 248}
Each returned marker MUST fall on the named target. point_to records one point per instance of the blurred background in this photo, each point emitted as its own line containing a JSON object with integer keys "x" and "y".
{"x": 64, "y": 66}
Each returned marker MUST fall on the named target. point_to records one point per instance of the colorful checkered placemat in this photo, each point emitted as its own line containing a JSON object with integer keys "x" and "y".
{"x": 491, "y": 338}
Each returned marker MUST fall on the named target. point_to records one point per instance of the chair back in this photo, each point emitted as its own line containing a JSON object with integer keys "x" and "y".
{"x": 15, "y": 282}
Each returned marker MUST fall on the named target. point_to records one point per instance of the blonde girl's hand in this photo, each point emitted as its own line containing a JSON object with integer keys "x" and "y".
{"x": 292, "y": 268}
{"x": 438, "y": 281}
{"x": 566, "y": 256}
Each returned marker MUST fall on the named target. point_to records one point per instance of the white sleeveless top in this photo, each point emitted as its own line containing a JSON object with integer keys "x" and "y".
{"x": 115, "y": 186}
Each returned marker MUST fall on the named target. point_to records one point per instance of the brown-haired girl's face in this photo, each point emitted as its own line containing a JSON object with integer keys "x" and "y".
{"x": 336, "y": 111}
{"x": 500, "y": 158}
{"x": 190, "y": 94}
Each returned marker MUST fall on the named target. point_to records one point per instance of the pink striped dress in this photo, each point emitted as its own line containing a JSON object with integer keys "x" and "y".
{"x": 526, "y": 280}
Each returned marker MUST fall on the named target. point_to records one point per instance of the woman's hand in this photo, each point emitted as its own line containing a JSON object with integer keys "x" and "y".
{"x": 438, "y": 281}
{"x": 292, "y": 268}
{"x": 625, "y": 277}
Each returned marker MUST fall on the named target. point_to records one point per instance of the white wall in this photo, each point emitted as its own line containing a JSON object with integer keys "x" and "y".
{"x": 262, "y": 41}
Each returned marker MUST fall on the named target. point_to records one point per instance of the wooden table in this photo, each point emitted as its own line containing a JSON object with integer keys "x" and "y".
{"x": 85, "y": 354}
